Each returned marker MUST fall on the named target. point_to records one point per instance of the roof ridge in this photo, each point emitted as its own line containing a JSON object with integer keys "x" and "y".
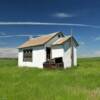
{"x": 38, "y": 40}
{"x": 54, "y": 33}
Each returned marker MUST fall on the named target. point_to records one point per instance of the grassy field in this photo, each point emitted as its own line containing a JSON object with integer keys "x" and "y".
{"x": 78, "y": 83}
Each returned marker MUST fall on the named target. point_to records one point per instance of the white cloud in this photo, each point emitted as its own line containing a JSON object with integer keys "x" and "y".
{"x": 97, "y": 53}
{"x": 81, "y": 43}
{"x": 22, "y": 35}
{"x": 47, "y": 23}
{"x": 97, "y": 39}
{"x": 14, "y": 36}
{"x": 89, "y": 54}
{"x": 8, "y": 53}
{"x": 63, "y": 15}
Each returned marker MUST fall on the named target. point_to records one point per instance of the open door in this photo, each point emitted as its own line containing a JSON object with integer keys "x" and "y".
{"x": 48, "y": 53}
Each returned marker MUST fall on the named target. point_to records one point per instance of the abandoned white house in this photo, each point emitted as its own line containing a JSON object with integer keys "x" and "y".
{"x": 36, "y": 51}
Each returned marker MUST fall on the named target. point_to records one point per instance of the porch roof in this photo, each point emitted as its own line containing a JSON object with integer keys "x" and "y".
{"x": 63, "y": 40}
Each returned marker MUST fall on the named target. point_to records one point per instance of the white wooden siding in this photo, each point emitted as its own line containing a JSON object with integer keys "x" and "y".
{"x": 75, "y": 56}
{"x": 67, "y": 55}
{"x": 57, "y": 51}
{"x": 38, "y": 57}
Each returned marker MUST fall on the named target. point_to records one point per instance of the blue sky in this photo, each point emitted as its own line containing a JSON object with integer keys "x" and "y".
{"x": 84, "y": 12}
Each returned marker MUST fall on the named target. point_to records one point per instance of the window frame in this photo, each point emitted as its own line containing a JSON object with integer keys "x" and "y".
{"x": 27, "y": 55}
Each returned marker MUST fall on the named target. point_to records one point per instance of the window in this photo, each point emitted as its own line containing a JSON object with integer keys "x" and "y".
{"x": 59, "y": 36}
{"x": 27, "y": 55}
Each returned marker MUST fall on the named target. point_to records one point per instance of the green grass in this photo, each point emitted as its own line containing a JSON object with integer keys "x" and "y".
{"x": 77, "y": 83}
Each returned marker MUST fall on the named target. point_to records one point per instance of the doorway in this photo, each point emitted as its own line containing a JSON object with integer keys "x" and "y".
{"x": 48, "y": 53}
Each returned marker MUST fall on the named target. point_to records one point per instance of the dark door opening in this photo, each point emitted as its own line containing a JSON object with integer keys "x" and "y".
{"x": 48, "y": 53}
